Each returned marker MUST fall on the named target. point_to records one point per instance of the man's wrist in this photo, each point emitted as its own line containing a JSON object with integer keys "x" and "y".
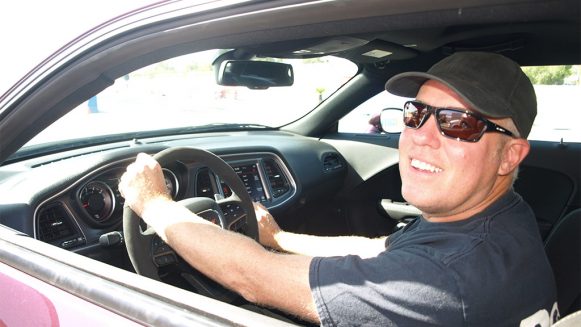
{"x": 152, "y": 206}
{"x": 162, "y": 212}
{"x": 278, "y": 240}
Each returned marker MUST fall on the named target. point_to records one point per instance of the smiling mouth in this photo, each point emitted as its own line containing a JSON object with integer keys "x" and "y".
{"x": 424, "y": 166}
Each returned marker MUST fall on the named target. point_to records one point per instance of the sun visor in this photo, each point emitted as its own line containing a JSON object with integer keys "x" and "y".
{"x": 377, "y": 51}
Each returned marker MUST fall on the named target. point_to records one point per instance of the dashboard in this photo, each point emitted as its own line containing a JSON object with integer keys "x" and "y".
{"x": 71, "y": 200}
{"x": 97, "y": 202}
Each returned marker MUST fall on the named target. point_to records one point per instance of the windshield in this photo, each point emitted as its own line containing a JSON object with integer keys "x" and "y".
{"x": 182, "y": 93}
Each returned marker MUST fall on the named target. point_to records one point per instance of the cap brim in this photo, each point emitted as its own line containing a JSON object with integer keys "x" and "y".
{"x": 408, "y": 85}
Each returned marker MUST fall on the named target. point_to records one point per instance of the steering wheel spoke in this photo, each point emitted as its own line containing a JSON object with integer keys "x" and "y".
{"x": 207, "y": 209}
{"x": 234, "y": 214}
{"x": 148, "y": 232}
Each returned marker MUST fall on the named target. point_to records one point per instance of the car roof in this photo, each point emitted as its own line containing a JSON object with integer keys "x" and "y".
{"x": 530, "y": 32}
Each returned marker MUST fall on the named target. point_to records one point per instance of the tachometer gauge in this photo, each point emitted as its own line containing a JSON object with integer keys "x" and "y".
{"x": 98, "y": 201}
{"x": 171, "y": 182}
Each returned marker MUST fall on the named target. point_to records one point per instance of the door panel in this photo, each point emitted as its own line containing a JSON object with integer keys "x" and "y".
{"x": 373, "y": 175}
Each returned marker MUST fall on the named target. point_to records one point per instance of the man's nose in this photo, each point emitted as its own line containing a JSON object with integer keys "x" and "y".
{"x": 428, "y": 134}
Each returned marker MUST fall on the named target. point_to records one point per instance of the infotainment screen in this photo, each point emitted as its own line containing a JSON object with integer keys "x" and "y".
{"x": 250, "y": 176}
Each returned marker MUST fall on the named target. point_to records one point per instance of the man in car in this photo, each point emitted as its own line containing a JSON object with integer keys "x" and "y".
{"x": 474, "y": 256}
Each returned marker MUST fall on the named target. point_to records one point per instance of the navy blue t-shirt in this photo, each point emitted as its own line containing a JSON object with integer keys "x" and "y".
{"x": 488, "y": 270}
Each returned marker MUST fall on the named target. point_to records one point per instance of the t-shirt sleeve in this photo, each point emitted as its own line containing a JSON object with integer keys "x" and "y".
{"x": 394, "y": 288}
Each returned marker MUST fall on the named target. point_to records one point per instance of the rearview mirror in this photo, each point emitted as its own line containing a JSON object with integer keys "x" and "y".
{"x": 255, "y": 74}
{"x": 391, "y": 120}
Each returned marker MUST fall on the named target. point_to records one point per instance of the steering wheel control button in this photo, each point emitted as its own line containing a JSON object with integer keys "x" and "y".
{"x": 163, "y": 254}
{"x": 162, "y": 249}
{"x": 232, "y": 211}
{"x": 239, "y": 225}
{"x": 158, "y": 246}
{"x": 164, "y": 260}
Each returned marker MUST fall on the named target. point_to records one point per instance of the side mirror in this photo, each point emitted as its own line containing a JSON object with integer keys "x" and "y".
{"x": 255, "y": 74}
{"x": 391, "y": 120}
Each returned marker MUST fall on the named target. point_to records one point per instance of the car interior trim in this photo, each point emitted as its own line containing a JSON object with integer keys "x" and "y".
{"x": 137, "y": 298}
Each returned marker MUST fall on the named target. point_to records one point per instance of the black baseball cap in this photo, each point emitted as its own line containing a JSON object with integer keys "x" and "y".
{"x": 491, "y": 84}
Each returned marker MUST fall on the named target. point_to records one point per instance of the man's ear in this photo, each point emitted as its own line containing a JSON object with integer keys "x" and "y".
{"x": 513, "y": 153}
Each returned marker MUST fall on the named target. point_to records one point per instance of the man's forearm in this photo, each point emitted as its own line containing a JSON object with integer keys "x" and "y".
{"x": 236, "y": 261}
{"x": 327, "y": 246}
{"x": 162, "y": 212}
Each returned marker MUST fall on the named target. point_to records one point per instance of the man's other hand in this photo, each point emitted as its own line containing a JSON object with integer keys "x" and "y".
{"x": 267, "y": 227}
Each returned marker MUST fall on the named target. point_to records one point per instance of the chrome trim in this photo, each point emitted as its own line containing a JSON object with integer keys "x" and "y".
{"x": 221, "y": 218}
{"x": 111, "y": 195}
{"x": 67, "y": 209}
{"x": 67, "y": 189}
{"x": 249, "y": 156}
{"x": 176, "y": 182}
{"x": 235, "y": 221}
{"x": 262, "y": 175}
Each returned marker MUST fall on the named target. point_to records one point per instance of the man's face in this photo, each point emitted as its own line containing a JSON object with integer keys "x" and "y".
{"x": 443, "y": 177}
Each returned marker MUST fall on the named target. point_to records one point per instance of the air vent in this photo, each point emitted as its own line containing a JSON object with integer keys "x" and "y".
{"x": 279, "y": 185}
{"x": 204, "y": 184}
{"x": 55, "y": 227}
{"x": 331, "y": 162}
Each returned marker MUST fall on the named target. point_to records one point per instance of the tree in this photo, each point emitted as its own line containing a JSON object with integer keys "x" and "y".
{"x": 548, "y": 75}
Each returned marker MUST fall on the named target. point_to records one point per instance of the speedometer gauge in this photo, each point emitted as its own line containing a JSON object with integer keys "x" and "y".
{"x": 97, "y": 200}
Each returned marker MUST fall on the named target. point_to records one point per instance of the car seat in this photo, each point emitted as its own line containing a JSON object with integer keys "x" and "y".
{"x": 563, "y": 248}
{"x": 572, "y": 320}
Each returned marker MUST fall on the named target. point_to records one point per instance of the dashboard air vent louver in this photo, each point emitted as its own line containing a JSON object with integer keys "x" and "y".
{"x": 54, "y": 224}
{"x": 331, "y": 162}
{"x": 204, "y": 184}
{"x": 278, "y": 182}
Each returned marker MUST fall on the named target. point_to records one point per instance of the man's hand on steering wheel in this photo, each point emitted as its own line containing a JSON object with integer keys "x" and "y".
{"x": 143, "y": 182}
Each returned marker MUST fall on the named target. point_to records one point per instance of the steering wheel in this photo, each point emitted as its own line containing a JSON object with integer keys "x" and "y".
{"x": 148, "y": 252}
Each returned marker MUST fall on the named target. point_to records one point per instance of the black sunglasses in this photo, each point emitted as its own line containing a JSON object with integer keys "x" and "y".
{"x": 458, "y": 124}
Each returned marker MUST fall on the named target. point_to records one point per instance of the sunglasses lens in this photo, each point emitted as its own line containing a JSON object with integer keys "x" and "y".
{"x": 460, "y": 125}
{"x": 414, "y": 113}
{"x": 453, "y": 123}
